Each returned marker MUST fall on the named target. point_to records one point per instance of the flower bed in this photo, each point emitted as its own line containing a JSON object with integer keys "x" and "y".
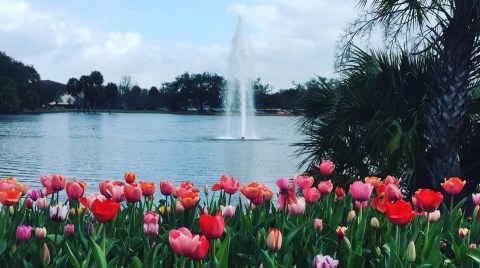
{"x": 233, "y": 226}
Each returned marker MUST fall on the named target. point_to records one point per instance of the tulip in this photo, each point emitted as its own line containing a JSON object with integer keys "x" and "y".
{"x": 104, "y": 210}
{"x": 297, "y": 208}
{"x": 428, "y": 200}
{"x": 374, "y": 181}
{"x": 129, "y": 177}
{"x": 182, "y": 241}
{"x": 311, "y": 194}
{"x": 393, "y": 192}
{"x": 201, "y": 249}
{"x": 29, "y": 203}
{"x": 229, "y": 184}
{"x": 341, "y": 231}
{"x": 434, "y": 216}
{"x": 283, "y": 183}
{"x": 351, "y": 215}
{"x": 69, "y": 229}
{"x": 472, "y": 245}
{"x": 9, "y": 197}
{"x": 251, "y": 191}
{"x": 90, "y": 228}
{"x": 41, "y": 203}
{"x": 105, "y": 188}
{"x": 453, "y": 185}
{"x": 326, "y": 261}
{"x": 117, "y": 193}
{"x": 318, "y": 224}
{"x": 360, "y": 204}
{"x": 79, "y": 210}
{"x": 476, "y": 199}
{"x": 326, "y": 167}
{"x": 339, "y": 193}
{"x": 206, "y": 190}
{"x": 22, "y": 188}
{"x": 24, "y": 233}
{"x": 374, "y": 223}
{"x": 150, "y": 217}
{"x": 267, "y": 193}
{"x": 228, "y": 211}
{"x": 58, "y": 212}
{"x": 391, "y": 179}
{"x": 179, "y": 208}
{"x": 462, "y": 232}
{"x": 150, "y": 229}
{"x": 303, "y": 181}
{"x": 40, "y": 233}
{"x": 89, "y": 199}
{"x": 35, "y": 194}
{"x": 211, "y": 226}
{"x": 274, "y": 239}
{"x": 360, "y": 191}
{"x": 325, "y": 187}
{"x": 75, "y": 189}
{"x": 133, "y": 193}
{"x": 189, "y": 199}
{"x": 163, "y": 209}
{"x": 166, "y": 187}
{"x": 45, "y": 255}
{"x": 400, "y": 212}
{"x": 410, "y": 254}
{"x": 58, "y": 182}
{"x": 148, "y": 188}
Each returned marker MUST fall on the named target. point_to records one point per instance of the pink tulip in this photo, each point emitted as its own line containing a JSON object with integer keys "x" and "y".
{"x": 150, "y": 229}
{"x": 182, "y": 241}
{"x": 361, "y": 191}
{"x": 179, "y": 208}
{"x": 69, "y": 229}
{"x": 35, "y": 194}
{"x": 476, "y": 199}
{"x": 274, "y": 239}
{"x": 472, "y": 245}
{"x": 24, "y": 233}
{"x": 326, "y": 261}
{"x": 166, "y": 187}
{"x": 325, "y": 187}
{"x": 359, "y": 204}
{"x": 117, "y": 193}
{"x": 229, "y": 184}
{"x": 393, "y": 192}
{"x": 303, "y": 181}
{"x": 326, "y": 167}
{"x": 58, "y": 182}
{"x": 40, "y": 233}
{"x": 434, "y": 216}
{"x": 318, "y": 224}
{"x": 283, "y": 183}
{"x": 92, "y": 197}
{"x": 297, "y": 208}
{"x": 311, "y": 194}
{"x": 132, "y": 192}
{"x": 228, "y": 211}
{"x": 150, "y": 217}
{"x": 41, "y": 203}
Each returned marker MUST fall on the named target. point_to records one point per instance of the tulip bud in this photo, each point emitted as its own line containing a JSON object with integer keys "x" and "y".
{"x": 69, "y": 229}
{"x": 462, "y": 232}
{"x": 351, "y": 216}
{"x": 45, "y": 255}
{"x": 374, "y": 223}
{"x": 318, "y": 224}
{"x": 40, "y": 233}
{"x": 442, "y": 245}
{"x": 274, "y": 239}
{"x": 11, "y": 211}
{"x": 29, "y": 203}
{"x": 434, "y": 216}
{"x": 348, "y": 245}
{"x": 205, "y": 189}
{"x": 179, "y": 208}
{"x": 472, "y": 245}
{"x": 341, "y": 231}
{"x": 410, "y": 255}
{"x": 90, "y": 228}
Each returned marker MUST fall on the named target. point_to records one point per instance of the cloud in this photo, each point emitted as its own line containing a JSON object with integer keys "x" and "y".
{"x": 288, "y": 40}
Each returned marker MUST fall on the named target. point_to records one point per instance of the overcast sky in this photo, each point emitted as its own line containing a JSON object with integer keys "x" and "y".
{"x": 155, "y": 40}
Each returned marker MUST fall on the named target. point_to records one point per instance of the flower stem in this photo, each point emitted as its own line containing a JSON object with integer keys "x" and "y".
{"x": 104, "y": 236}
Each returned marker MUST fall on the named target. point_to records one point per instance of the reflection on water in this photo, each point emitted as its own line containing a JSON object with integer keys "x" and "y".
{"x": 155, "y": 146}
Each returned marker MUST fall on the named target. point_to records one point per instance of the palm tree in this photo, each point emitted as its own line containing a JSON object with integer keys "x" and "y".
{"x": 449, "y": 30}
{"x": 74, "y": 88}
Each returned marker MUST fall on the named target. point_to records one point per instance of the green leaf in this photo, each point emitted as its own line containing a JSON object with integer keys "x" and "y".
{"x": 293, "y": 233}
{"x": 72, "y": 258}
{"x": 98, "y": 254}
{"x": 87, "y": 259}
{"x": 136, "y": 262}
{"x": 474, "y": 254}
{"x": 355, "y": 260}
{"x": 3, "y": 246}
{"x": 222, "y": 253}
{"x": 266, "y": 260}
{"x": 114, "y": 262}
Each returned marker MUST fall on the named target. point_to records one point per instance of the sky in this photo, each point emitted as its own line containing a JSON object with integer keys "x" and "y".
{"x": 153, "y": 41}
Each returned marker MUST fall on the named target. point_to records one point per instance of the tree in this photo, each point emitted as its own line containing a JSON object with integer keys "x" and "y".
{"x": 449, "y": 30}
{"x": 96, "y": 79}
{"x": 74, "y": 88}
{"x": 9, "y": 101}
{"x": 153, "y": 98}
{"x": 111, "y": 94}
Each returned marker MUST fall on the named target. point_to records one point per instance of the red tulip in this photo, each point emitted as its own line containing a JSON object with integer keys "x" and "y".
{"x": 9, "y": 197}
{"x": 29, "y": 203}
{"x": 58, "y": 182}
{"x": 379, "y": 204}
{"x": 75, "y": 189}
{"x": 211, "y": 226}
{"x": 104, "y": 211}
{"x": 453, "y": 185}
{"x": 341, "y": 231}
{"x": 129, "y": 177}
{"x": 428, "y": 200}
{"x": 133, "y": 192}
{"x": 106, "y": 188}
{"x": 148, "y": 188}
{"x": 166, "y": 187}
{"x": 189, "y": 199}
{"x": 201, "y": 249}
{"x": 400, "y": 212}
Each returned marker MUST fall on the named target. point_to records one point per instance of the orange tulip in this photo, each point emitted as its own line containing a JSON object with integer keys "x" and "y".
{"x": 251, "y": 191}
{"x": 374, "y": 181}
{"x": 453, "y": 185}
{"x": 129, "y": 177}
{"x": 148, "y": 188}
{"x": 22, "y": 188}
{"x": 9, "y": 197}
{"x": 189, "y": 199}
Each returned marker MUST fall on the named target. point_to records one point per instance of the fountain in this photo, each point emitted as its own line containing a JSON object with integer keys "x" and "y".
{"x": 238, "y": 99}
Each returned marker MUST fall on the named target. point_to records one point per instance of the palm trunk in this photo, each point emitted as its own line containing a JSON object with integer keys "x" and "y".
{"x": 447, "y": 113}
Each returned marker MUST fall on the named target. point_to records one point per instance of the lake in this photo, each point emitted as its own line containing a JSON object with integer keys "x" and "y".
{"x": 94, "y": 147}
